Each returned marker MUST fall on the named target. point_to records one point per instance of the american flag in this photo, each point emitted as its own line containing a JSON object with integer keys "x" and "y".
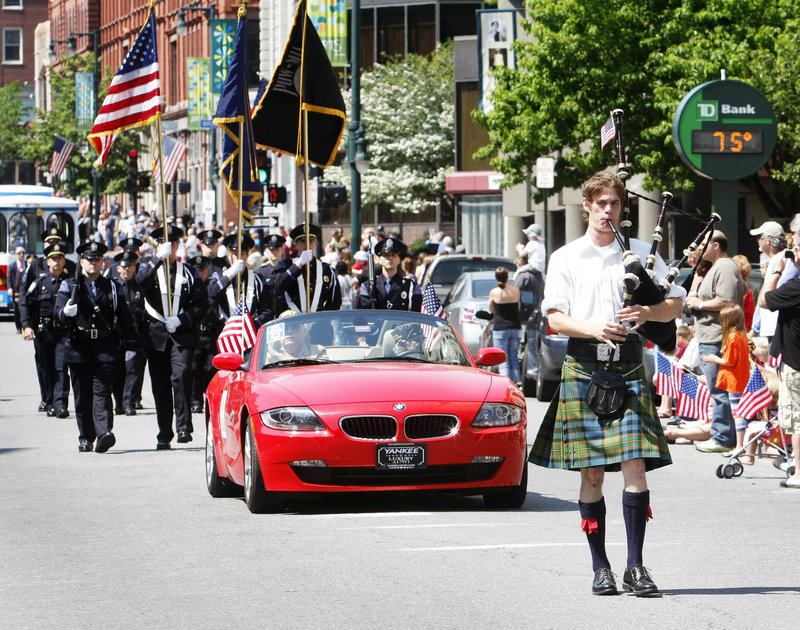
{"x": 694, "y": 399}
{"x": 61, "y": 152}
{"x": 173, "y": 154}
{"x": 607, "y": 132}
{"x": 134, "y": 97}
{"x": 756, "y": 396}
{"x": 773, "y": 363}
{"x": 432, "y": 306}
{"x": 668, "y": 377}
{"x": 239, "y": 332}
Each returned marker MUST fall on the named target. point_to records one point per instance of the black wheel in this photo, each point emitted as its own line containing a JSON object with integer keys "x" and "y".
{"x": 511, "y": 498}
{"x": 738, "y": 469}
{"x": 727, "y": 471}
{"x": 790, "y": 471}
{"x": 256, "y": 496}
{"x": 528, "y": 385}
{"x": 217, "y": 486}
{"x": 719, "y": 471}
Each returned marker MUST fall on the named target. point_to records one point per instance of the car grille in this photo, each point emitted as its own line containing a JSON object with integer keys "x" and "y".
{"x": 369, "y": 427}
{"x": 428, "y": 427}
{"x": 369, "y": 476}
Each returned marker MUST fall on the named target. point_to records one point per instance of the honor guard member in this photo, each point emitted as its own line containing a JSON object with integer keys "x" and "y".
{"x": 37, "y": 316}
{"x": 273, "y": 254}
{"x": 290, "y": 277}
{"x": 208, "y": 330}
{"x": 39, "y": 266}
{"x": 209, "y": 247}
{"x": 130, "y": 374}
{"x": 393, "y": 288}
{"x": 169, "y": 334}
{"x": 100, "y": 324}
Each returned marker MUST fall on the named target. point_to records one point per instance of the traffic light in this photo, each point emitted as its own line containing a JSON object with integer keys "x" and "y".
{"x": 264, "y": 166}
{"x": 276, "y": 194}
{"x": 134, "y": 162}
{"x": 143, "y": 180}
{"x": 332, "y": 195}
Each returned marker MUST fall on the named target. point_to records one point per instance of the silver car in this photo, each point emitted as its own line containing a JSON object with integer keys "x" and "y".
{"x": 469, "y": 294}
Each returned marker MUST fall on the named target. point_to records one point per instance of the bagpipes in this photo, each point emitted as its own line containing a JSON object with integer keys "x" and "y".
{"x": 640, "y": 284}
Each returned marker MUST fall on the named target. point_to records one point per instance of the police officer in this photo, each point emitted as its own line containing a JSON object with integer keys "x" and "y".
{"x": 37, "y": 316}
{"x": 209, "y": 247}
{"x": 130, "y": 371}
{"x": 168, "y": 333}
{"x": 39, "y": 266}
{"x": 273, "y": 254}
{"x": 208, "y": 330}
{"x": 393, "y": 288}
{"x": 98, "y": 316}
{"x": 290, "y": 276}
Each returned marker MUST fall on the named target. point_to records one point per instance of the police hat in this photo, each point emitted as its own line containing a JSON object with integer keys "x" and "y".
{"x": 231, "y": 242}
{"x": 131, "y": 243}
{"x": 126, "y": 258}
{"x": 52, "y": 234}
{"x": 56, "y": 249}
{"x": 274, "y": 241}
{"x": 174, "y": 234}
{"x": 389, "y": 245}
{"x": 209, "y": 237}
{"x": 299, "y": 232}
{"x": 92, "y": 250}
{"x": 201, "y": 262}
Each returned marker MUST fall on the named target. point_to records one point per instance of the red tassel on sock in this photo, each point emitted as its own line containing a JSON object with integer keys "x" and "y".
{"x": 589, "y": 525}
{"x": 649, "y": 513}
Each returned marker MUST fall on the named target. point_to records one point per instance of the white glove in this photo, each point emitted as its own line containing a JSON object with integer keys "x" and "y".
{"x": 70, "y": 309}
{"x": 130, "y": 355}
{"x": 173, "y": 323}
{"x": 305, "y": 257}
{"x": 234, "y": 270}
{"x": 164, "y": 250}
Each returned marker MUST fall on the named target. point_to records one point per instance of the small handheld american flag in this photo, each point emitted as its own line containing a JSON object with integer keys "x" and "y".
{"x": 756, "y": 396}
{"x": 668, "y": 377}
{"x": 694, "y": 400}
{"x": 432, "y": 306}
{"x": 239, "y": 332}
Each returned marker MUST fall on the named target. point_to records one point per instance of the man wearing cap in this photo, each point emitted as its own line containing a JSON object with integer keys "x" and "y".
{"x": 535, "y": 248}
{"x": 37, "y": 316}
{"x": 130, "y": 373}
{"x": 174, "y": 303}
{"x": 209, "y": 247}
{"x": 100, "y": 324}
{"x": 393, "y": 288}
{"x": 772, "y": 242}
{"x": 39, "y": 266}
{"x": 16, "y": 270}
{"x": 208, "y": 330}
{"x": 290, "y": 276}
{"x": 273, "y": 254}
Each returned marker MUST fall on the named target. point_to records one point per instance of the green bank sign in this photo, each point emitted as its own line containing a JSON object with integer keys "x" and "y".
{"x": 724, "y": 130}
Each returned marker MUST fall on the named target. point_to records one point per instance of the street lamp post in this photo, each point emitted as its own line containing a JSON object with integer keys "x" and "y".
{"x": 52, "y": 54}
{"x": 356, "y": 142}
{"x": 71, "y": 47}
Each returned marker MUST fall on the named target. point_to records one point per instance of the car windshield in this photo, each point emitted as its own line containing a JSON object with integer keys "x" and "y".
{"x": 359, "y": 336}
{"x": 447, "y": 271}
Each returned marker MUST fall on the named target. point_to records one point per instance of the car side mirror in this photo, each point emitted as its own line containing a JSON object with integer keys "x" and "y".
{"x": 491, "y": 356}
{"x": 484, "y": 315}
{"x": 230, "y": 361}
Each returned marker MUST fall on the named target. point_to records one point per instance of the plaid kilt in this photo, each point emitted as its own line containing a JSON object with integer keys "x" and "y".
{"x": 572, "y": 437}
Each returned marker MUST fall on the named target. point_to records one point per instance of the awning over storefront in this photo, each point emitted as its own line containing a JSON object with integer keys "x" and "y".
{"x": 472, "y": 182}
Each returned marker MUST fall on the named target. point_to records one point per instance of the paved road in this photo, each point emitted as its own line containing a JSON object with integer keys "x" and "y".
{"x": 131, "y": 539}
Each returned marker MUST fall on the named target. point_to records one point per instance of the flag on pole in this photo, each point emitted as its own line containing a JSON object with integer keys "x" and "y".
{"x": 694, "y": 399}
{"x": 668, "y": 377}
{"x": 303, "y": 81}
{"x": 239, "y": 332}
{"x": 607, "y": 132}
{"x": 61, "y": 152}
{"x": 134, "y": 97}
{"x": 173, "y": 154}
{"x": 756, "y": 396}
{"x": 233, "y": 117}
{"x": 432, "y": 306}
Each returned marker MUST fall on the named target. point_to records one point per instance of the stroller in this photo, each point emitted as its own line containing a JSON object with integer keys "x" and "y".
{"x": 764, "y": 434}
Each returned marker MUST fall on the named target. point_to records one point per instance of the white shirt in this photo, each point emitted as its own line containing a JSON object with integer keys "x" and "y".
{"x": 536, "y": 254}
{"x": 585, "y": 281}
{"x": 768, "y": 320}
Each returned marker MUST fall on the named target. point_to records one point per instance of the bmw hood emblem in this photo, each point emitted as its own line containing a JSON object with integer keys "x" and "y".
{"x": 399, "y": 406}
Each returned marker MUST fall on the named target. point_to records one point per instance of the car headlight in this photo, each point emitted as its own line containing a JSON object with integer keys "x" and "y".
{"x": 292, "y": 419}
{"x": 497, "y": 415}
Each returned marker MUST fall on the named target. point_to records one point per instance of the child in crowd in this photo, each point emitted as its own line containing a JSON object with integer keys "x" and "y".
{"x": 683, "y": 335}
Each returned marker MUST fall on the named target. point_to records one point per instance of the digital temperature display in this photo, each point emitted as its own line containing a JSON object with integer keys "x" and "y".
{"x": 727, "y": 141}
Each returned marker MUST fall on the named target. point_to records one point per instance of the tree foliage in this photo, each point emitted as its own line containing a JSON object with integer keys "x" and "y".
{"x": 12, "y": 134}
{"x": 582, "y": 58}
{"x": 407, "y": 109}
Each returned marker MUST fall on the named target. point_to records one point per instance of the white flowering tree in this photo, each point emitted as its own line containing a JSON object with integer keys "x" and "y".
{"x": 407, "y": 109}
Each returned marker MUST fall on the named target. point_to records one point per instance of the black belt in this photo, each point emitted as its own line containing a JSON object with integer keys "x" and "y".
{"x": 92, "y": 333}
{"x": 593, "y": 350}
{"x": 51, "y": 322}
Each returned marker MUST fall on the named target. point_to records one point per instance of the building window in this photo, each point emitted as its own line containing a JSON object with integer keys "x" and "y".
{"x": 12, "y": 4}
{"x": 12, "y": 45}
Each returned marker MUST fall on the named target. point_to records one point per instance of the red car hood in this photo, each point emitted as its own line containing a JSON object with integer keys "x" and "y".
{"x": 375, "y": 382}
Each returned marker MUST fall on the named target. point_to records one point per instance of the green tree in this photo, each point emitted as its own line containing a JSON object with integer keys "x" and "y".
{"x": 583, "y": 58}
{"x": 12, "y": 134}
{"x": 407, "y": 109}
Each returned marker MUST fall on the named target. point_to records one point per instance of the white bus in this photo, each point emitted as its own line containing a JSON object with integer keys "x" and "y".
{"x": 26, "y": 212}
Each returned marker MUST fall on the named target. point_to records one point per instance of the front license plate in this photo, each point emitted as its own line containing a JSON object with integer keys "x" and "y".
{"x": 401, "y": 456}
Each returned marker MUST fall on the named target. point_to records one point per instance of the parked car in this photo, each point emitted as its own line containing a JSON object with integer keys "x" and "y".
{"x": 375, "y": 400}
{"x": 469, "y": 294}
{"x": 443, "y": 271}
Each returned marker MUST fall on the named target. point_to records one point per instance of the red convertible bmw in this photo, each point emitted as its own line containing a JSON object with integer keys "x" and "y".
{"x": 361, "y": 400}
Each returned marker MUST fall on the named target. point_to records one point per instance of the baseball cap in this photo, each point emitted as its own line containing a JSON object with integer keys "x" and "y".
{"x": 769, "y": 228}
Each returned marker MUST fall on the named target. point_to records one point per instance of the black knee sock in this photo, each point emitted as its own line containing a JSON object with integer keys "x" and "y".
{"x": 593, "y": 522}
{"x": 635, "y": 511}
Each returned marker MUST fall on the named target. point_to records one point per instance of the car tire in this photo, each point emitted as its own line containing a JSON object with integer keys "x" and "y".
{"x": 217, "y": 486}
{"x": 256, "y": 496}
{"x": 545, "y": 390}
{"x": 528, "y": 385}
{"x": 511, "y": 498}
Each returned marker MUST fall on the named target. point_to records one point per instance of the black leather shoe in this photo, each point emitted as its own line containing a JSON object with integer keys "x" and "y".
{"x": 162, "y": 446}
{"x": 138, "y": 405}
{"x": 105, "y": 442}
{"x": 51, "y": 412}
{"x": 85, "y": 446}
{"x": 62, "y": 413}
{"x": 184, "y": 436}
{"x": 118, "y": 411}
{"x": 638, "y": 581}
{"x": 197, "y": 408}
{"x": 43, "y": 406}
{"x": 130, "y": 411}
{"x": 604, "y": 582}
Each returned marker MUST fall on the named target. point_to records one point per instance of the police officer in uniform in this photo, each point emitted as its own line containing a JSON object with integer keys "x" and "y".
{"x": 130, "y": 370}
{"x": 273, "y": 254}
{"x": 209, "y": 246}
{"x": 393, "y": 288}
{"x": 289, "y": 276}
{"x": 39, "y": 266}
{"x": 37, "y": 316}
{"x": 169, "y": 333}
{"x": 98, "y": 316}
{"x": 208, "y": 330}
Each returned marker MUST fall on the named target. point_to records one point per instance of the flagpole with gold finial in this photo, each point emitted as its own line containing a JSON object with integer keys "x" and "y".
{"x": 304, "y": 127}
